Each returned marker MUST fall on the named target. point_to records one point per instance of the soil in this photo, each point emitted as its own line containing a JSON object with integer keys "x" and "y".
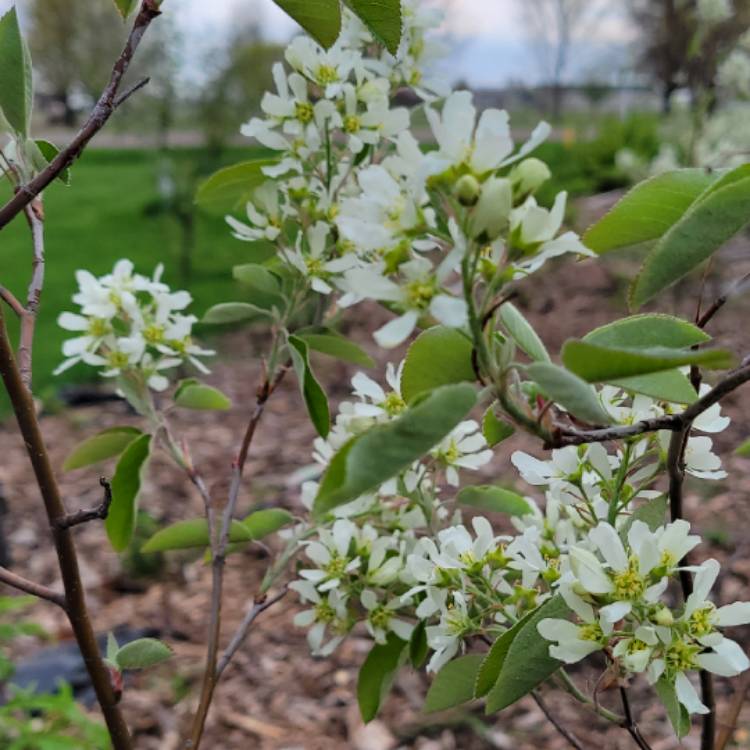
{"x": 275, "y": 696}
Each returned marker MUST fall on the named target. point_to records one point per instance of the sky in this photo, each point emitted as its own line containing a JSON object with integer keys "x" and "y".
{"x": 489, "y": 43}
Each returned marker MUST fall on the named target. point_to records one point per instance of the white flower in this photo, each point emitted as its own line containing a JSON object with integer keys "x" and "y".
{"x": 378, "y": 121}
{"x": 332, "y": 555}
{"x": 381, "y": 618}
{"x": 483, "y": 149}
{"x": 328, "y": 613}
{"x": 446, "y": 637}
{"x": 463, "y": 448}
{"x": 328, "y": 69}
{"x": 313, "y": 264}
{"x": 266, "y": 223}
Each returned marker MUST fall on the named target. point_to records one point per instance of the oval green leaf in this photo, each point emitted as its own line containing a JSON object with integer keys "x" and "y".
{"x": 377, "y": 673}
{"x": 648, "y": 210}
{"x": 567, "y": 389}
{"x": 231, "y": 188}
{"x": 494, "y": 429}
{"x": 495, "y": 499}
{"x": 439, "y": 356}
{"x": 320, "y": 18}
{"x": 453, "y": 684}
{"x": 704, "y": 228}
{"x": 602, "y": 364}
{"x": 261, "y": 523}
{"x": 126, "y": 484}
{"x": 383, "y": 18}
{"x": 647, "y": 330}
{"x": 521, "y": 331}
{"x": 142, "y": 653}
{"x": 192, "y": 533}
{"x": 106, "y": 444}
{"x": 373, "y": 457}
{"x": 202, "y": 397}
{"x": 233, "y": 312}
{"x": 333, "y": 344}
{"x": 16, "y": 95}
{"x": 313, "y": 395}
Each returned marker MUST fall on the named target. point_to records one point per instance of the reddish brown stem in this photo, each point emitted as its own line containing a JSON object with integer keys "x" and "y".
{"x": 29, "y": 587}
{"x": 75, "y": 602}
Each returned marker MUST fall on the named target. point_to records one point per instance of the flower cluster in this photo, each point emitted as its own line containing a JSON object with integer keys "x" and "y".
{"x": 370, "y": 215}
{"x": 130, "y": 325}
{"x": 400, "y": 555}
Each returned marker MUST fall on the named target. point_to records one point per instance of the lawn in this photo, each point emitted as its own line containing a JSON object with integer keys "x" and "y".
{"x": 108, "y": 213}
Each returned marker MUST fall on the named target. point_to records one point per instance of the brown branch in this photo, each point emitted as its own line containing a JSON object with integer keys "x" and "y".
{"x": 129, "y": 92}
{"x": 569, "y": 736}
{"x": 99, "y": 513}
{"x": 100, "y": 114}
{"x": 210, "y": 676}
{"x": 720, "y": 301}
{"x": 565, "y": 435}
{"x": 12, "y": 301}
{"x": 75, "y": 601}
{"x": 29, "y": 587}
{"x": 260, "y": 605}
{"x": 676, "y": 474}
{"x": 730, "y": 723}
{"x": 630, "y": 724}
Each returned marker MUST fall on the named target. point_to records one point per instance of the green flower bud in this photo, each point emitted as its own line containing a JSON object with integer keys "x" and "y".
{"x": 530, "y": 175}
{"x": 664, "y": 617}
{"x": 493, "y": 209}
{"x": 467, "y": 190}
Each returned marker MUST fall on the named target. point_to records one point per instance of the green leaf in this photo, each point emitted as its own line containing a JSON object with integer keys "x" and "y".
{"x": 374, "y": 456}
{"x": 192, "y": 533}
{"x": 263, "y": 285}
{"x": 653, "y": 514}
{"x": 438, "y": 356}
{"x": 418, "y": 646}
{"x": 494, "y": 429}
{"x": 489, "y": 671}
{"x": 48, "y": 151}
{"x": 601, "y": 364}
{"x": 233, "y": 312}
{"x": 668, "y": 385}
{"x": 320, "y": 18}
{"x": 453, "y": 684}
{"x": 313, "y": 395}
{"x": 677, "y": 713}
{"x": 143, "y": 653}
{"x": 16, "y": 97}
{"x": 520, "y": 330}
{"x": 261, "y": 523}
{"x": 377, "y": 673}
{"x": 648, "y": 330}
{"x": 644, "y": 331}
{"x": 495, "y": 499}
{"x": 743, "y": 449}
{"x": 568, "y": 390}
{"x": 648, "y": 210}
{"x": 103, "y": 445}
{"x": 201, "y": 397}
{"x": 333, "y": 344}
{"x": 383, "y": 18}
{"x": 112, "y": 648}
{"x": 704, "y": 228}
{"x": 126, "y": 484}
{"x": 527, "y": 662}
{"x": 126, "y": 7}
{"x": 231, "y": 188}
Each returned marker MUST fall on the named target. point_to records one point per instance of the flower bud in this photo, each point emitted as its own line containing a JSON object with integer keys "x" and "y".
{"x": 467, "y": 190}
{"x": 664, "y": 617}
{"x": 530, "y": 175}
{"x": 493, "y": 209}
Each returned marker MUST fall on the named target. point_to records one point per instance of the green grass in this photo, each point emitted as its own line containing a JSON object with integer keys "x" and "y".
{"x": 103, "y": 216}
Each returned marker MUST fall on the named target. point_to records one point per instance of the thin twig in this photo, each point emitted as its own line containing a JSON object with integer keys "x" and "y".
{"x": 12, "y": 301}
{"x": 75, "y": 601}
{"x": 674, "y": 422}
{"x": 260, "y": 605}
{"x": 210, "y": 677}
{"x": 630, "y": 723}
{"x": 29, "y": 587}
{"x": 100, "y": 114}
{"x": 569, "y": 736}
{"x": 127, "y": 94}
{"x": 720, "y": 301}
{"x": 99, "y": 513}
{"x": 676, "y": 473}
{"x": 730, "y": 723}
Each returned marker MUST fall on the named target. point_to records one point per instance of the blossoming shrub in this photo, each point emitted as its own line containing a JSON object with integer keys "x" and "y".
{"x": 357, "y": 209}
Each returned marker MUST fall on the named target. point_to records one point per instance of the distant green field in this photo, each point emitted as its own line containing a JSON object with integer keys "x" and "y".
{"x": 103, "y": 216}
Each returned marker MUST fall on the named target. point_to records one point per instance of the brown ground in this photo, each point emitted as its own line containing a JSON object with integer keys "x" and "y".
{"x": 275, "y": 695}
